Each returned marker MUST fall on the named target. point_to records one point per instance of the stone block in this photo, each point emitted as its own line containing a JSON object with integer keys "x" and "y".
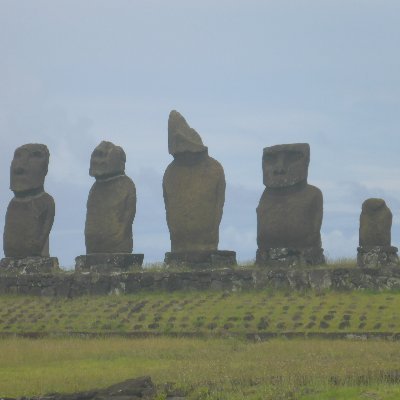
{"x": 108, "y": 262}
{"x": 377, "y": 256}
{"x": 201, "y": 259}
{"x": 279, "y": 257}
{"x": 29, "y": 265}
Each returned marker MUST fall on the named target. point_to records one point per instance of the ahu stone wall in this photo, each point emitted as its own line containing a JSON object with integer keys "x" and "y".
{"x": 73, "y": 284}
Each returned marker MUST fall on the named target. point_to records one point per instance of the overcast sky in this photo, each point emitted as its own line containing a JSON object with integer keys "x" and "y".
{"x": 245, "y": 74}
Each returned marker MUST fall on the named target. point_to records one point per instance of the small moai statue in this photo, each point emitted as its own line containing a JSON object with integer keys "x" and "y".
{"x": 30, "y": 214}
{"x": 289, "y": 214}
{"x": 194, "y": 196}
{"x": 375, "y": 249}
{"x": 111, "y": 209}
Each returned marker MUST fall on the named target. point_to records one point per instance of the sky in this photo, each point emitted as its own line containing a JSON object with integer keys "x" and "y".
{"x": 246, "y": 74}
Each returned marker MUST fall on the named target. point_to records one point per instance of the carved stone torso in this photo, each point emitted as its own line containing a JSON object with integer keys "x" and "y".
{"x": 375, "y": 231}
{"x": 375, "y": 223}
{"x": 28, "y": 224}
{"x": 111, "y": 208}
{"x": 289, "y": 219}
{"x": 194, "y": 196}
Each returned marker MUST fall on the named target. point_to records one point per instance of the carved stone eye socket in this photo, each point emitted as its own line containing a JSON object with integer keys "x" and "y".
{"x": 37, "y": 154}
{"x": 293, "y": 156}
{"x": 288, "y": 157}
{"x": 99, "y": 153}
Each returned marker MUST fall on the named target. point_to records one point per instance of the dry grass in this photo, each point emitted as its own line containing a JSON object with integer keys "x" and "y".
{"x": 217, "y": 369}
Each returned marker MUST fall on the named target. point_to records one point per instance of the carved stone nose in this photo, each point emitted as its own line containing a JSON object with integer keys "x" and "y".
{"x": 279, "y": 167}
{"x": 279, "y": 171}
{"x": 19, "y": 170}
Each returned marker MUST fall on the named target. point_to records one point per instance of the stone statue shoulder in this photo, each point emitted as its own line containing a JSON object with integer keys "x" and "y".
{"x": 207, "y": 162}
{"x": 311, "y": 196}
{"x": 42, "y": 201}
{"x": 216, "y": 165}
{"x": 120, "y": 182}
{"x": 124, "y": 180}
{"x": 45, "y": 203}
{"x": 313, "y": 191}
{"x": 207, "y": 167}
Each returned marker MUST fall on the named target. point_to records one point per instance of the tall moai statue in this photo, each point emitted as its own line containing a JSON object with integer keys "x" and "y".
{"x": 375, "y": 249}
{"x": 194, "y": 196}
{"x": 30, "y": 214}
{"x": 289, "y": 214}
{"x": 111, "y": 209}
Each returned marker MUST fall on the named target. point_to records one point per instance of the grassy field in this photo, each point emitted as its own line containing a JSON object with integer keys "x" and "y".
{"x": 205, "y": 368}
{"x": 205, "y": 313}
{"x": 219, "y": 363}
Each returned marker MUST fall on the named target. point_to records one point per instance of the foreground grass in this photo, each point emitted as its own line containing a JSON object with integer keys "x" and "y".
{"x": 206, "y": 369}
{"x": 205, "y": 313}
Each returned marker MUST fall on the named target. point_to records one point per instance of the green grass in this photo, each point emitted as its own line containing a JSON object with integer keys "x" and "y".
{"x": 219, "y": 364}
{"x": 204, "y": 368}
{"x": 205, "y": 313}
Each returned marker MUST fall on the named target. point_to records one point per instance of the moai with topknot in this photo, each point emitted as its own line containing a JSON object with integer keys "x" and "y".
{"x": 375, "y": 249}
{"x": 111, "y": 209}
{"x": 289, "y": 214}
{"x": 194, "y": 196}
{"x": 30, "y": 214}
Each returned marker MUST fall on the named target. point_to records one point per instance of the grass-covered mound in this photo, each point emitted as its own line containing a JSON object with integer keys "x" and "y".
{"x": 204, "y": 313}
{"x": 223, "y": 369}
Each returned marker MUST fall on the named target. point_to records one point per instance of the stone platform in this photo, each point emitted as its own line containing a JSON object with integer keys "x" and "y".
{"x": 201, "y": 259}
{"x": 108, "y": 262}
{"x": 377, "y": 256}
{"x": 29, "y": 265}
{"x": 290, "y": 257}
{"x": 69, "y": 284}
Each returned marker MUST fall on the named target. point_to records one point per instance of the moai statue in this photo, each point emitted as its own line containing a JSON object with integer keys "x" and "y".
{"x": 30, "y": 214}
{"x": 375, "y": 249}
{"x": 289, "y": 214}
{"x": 111, "y": 208}
{"x": 194, "y": 196}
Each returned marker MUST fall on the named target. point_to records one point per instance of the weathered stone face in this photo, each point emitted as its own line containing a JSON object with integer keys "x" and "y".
{"x": 285, "y": 164}
{"x": 111, "y": 205}
{"x": 194, "y": 191}
{"x": 107, "y": 160}
{"x": 181, "y": 137}
{"x": 29, "y": 167}
{"x": 30, "y": 214}
{"x": 289, "y": 215}
{"x": 375, "y": 223}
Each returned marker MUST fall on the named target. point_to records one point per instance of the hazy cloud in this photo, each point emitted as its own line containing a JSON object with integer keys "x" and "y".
{"x": 245, "y": 74}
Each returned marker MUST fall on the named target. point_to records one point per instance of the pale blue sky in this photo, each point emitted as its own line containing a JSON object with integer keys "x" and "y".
{"x": 245, "y": 74}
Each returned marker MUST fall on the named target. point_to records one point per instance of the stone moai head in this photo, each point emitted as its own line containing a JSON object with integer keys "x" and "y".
{"x": 375, "y": 223}
{"x": 285, "y": 164}
{"x": 107, "y": 160}
{"x": 29, "y": 167}
{"x": 181, "y": 137}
